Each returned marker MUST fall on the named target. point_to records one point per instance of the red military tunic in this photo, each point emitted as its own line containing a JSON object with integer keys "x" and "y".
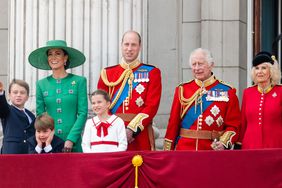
{"x": 142, "y": 100}
{"x": 261, "y": 118}
{"x": 219, "y": 104}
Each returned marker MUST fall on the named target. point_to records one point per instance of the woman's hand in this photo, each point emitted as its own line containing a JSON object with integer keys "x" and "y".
{"x": 68, "y": 146}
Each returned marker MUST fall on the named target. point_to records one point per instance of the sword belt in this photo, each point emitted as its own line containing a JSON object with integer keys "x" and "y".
{"x": 200, "y": 134}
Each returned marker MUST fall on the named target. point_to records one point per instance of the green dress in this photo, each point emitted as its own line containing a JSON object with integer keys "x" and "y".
{"x": 65, "y": 100}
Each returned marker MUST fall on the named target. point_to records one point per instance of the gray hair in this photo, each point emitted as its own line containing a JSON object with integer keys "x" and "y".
{"x": 206, "y": 52}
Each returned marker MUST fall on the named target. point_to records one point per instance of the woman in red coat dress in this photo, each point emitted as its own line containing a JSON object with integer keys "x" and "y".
{"x": 261, "y": 114}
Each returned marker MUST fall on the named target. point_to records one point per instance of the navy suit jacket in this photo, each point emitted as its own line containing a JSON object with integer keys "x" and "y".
{"x": 57, "y": 145}
{"x": 16, "y": 128}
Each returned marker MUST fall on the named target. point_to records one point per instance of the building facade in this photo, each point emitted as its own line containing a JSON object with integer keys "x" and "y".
{"x": 170, "y": 30}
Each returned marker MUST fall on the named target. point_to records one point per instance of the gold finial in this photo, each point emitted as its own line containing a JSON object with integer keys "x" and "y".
{"x": 137, "y": 161}
{"x": 273, "y": 57}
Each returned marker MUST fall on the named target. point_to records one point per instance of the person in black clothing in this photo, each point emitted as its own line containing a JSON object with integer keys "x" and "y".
{"x": 17, "y": 121}
{"x": 44, "y": 140}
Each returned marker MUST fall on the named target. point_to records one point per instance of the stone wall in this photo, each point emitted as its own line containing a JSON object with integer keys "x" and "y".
{"x": 3, "y": 48}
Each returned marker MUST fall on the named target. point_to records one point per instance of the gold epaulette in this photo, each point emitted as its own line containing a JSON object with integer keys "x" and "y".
{"x": 229, "y": 85}
{"x": 226, "y": 138}
{"x": 137, "y": 122}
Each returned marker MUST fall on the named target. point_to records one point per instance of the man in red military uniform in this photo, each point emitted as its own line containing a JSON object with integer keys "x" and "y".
{"x": 205, "y": 112}
{"x": 135, "y": 91}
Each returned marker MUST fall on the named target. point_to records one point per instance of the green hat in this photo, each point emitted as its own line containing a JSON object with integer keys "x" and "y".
{"x": 38, "y": 58}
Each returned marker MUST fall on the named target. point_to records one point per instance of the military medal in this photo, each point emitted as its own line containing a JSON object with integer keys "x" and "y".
{"x": 274, "y": 95}
{"x": 147, "y": 77}
{"x": 139, "y": 77}
{"x": 217, "y": 95}
{"x": 135, "y": 77}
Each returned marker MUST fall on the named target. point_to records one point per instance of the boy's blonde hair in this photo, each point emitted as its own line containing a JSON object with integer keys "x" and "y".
{"x": 43, "y": 122}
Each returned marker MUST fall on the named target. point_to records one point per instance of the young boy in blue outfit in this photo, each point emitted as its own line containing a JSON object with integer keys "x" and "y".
{"x": 17, "y": 121}
{"x": 44, "y": 140}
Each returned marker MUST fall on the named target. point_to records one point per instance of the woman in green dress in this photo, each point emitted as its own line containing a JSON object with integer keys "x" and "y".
{"x": 62, "y": 95}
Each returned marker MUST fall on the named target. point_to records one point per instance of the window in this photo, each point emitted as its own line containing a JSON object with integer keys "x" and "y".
{"x": 268, "y": 27}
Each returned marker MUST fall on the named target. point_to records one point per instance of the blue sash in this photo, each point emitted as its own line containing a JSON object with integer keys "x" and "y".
{"x": 124, "y": 93}
{"x": 190, "y": 116}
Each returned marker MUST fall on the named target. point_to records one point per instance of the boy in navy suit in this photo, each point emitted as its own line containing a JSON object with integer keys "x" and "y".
{"x": 17, "y": 122}
{"x": 44, "y": 140}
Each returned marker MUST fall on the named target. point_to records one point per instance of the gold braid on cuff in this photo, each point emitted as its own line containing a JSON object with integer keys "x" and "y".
{"x": 167, "y": 144}
{"x": 226, "y": 138}
{"x": 137, "y": 122}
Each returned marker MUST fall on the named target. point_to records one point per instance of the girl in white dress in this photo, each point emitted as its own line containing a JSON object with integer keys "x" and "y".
{"x": 104, "y": 132}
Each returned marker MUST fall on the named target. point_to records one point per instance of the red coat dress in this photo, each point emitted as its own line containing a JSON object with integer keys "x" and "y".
{"x": 219, "y": 107}
{"x": 261, "y": 118}
{"x": 139, "y": 98}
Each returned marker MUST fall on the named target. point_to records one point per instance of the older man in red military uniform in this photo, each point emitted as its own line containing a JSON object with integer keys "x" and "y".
{"x": 135, "y": 91}
{"x": 205, "y": 112}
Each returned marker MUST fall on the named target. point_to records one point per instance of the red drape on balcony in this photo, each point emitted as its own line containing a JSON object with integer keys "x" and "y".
{"x": 254, "y": 168}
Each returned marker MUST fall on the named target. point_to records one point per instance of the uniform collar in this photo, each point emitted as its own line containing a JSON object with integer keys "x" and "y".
{"x": 207, "y": 82}
{"x": 131, "y": 65}
{"x": 265, "y": 90}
